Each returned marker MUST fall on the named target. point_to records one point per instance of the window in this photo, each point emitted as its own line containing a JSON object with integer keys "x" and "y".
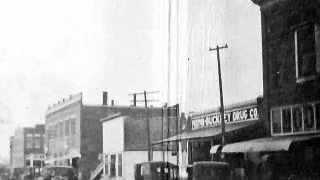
{"x": 37, "y": 140}
{"x": 113, "y": 165}
{"x": 297, "y": 119}
{"x": 29, "y": 139}
{"x": 66, "y": 127}
{"x": 300, "y": 118}
{"x": 286, "y": 120}
{"x": 120, "y": 165}
{"x": 106, "y": 164}
{"x": 60, "y": 129}
{"x": 54, "y": 129}
{"x": 73, "y": 126}
{"x": 307, "y": 51}
{"x": 308, "y": 118}
{"x": 276, "y": 121}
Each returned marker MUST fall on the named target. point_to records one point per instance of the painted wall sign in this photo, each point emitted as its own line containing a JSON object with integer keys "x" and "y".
{"x": 214, "y": 119}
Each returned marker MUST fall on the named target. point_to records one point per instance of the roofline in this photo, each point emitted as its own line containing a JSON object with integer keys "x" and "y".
{"x": 121, "y": 106}
{"x": 228, "y": 107}
{"x": 65, "y": 102}
{"x": 266, "y": 3}
{"x": 112, "y": 116}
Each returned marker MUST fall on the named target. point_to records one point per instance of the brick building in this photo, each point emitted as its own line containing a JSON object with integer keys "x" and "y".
{"x": 291, "y": 84}
{"x": 291, "y": 64}
{"x": 74, "y": 132}
{"x": 27, "y": 147}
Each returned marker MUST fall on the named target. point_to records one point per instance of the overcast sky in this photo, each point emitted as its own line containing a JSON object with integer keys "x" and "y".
{"x": 50, "y": 49}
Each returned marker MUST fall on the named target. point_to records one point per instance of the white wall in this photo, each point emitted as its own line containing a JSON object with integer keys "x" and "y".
{"x": 113, "y": 135}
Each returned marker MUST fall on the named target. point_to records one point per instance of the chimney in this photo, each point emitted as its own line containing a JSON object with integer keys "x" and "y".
{"x": 112, "y": 102}
{"x": 105, "y": 98}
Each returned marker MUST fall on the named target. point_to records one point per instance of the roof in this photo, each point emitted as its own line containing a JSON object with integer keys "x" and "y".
{"x": 112, "y": 116}
{"x": 210, "y": 132}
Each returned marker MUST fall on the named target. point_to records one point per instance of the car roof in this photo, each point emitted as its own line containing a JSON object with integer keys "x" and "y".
{"x": 68, "y": 167}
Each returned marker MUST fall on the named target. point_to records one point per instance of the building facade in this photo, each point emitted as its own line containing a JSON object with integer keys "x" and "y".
{"x": 291, "y": 65}
{"x": 201, "y": 137}
{"x": 27, "y": 147}
{"x": 74, "y": 133}
{"x": 291, "y": 83}
{"x": 125, "y": 140}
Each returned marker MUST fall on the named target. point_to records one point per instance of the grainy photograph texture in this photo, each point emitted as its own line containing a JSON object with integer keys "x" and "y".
{"x": 159, "y": 90}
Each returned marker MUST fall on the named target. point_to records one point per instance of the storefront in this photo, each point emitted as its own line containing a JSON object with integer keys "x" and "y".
{"x": 294, "y": 143}
{"x": 243, "y": 121}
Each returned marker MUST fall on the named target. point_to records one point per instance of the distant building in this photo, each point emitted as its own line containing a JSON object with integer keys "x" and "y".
{"x": 125, "y": 139}
{"x": 27, "y": 147}
{"x": 74, "y": 132}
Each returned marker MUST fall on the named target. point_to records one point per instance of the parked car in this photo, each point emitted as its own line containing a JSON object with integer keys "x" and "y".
{"x": 30, "y": 173}
{"x": 58, "y": 173}
{"x": 211, "y": 171}
{"x": 156, "y": 170}
{"x": 16, "y": 174}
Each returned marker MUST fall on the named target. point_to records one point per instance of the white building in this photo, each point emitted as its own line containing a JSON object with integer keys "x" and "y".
{"x": 125, "y": 142}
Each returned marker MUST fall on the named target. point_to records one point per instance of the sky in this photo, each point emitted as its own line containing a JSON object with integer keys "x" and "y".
{"x": 52, "y": 48}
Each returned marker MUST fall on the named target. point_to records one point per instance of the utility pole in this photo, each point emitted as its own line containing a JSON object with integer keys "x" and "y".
{"x": 135, "y": 101}
{"x": 221, "y": 93}
{"x": 144, "y": 93}
{"x": 148, "y": 126}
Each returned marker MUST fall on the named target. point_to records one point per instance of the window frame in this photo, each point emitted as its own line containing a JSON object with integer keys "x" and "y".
{"x": 292, "y": 107}
{"x": 119, "y": 164}
{"x": 316, "y": 28}
{"x": 113, "y": 163}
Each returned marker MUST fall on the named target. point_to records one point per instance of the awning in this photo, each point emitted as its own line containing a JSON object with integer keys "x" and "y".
{"x": 215, "y": 148}
{"x": 210, "y": 132}
{"x": 279, "y": 143}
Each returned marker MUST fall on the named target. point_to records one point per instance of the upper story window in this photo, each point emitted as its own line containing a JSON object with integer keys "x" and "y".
{"x": 29, "y": 141}
{"x": 307, "y": 52}
{"x": 66, "y": 127}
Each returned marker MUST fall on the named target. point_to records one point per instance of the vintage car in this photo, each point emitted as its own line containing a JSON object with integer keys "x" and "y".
{"x": 211, "y": 171}
{"x": 58, "y": 173}
{"x": 156, "y": 170}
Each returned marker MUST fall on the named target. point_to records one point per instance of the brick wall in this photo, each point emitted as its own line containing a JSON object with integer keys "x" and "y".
{"x": 279, "y": 21}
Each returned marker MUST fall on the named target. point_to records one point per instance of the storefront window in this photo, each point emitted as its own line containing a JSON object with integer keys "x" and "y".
{"x": 297, "y": 119}
{"x": 106, "y": 165}
{"x": 308, "y": 117}
{"x": 286, "y": 120}
{"x": 113, "y": 165}
{"x": 120, "y": 165}
{"x": 276, "y": 121}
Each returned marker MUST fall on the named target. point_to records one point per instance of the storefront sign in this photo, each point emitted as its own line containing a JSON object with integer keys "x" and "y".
{"x": 214, "y": 119}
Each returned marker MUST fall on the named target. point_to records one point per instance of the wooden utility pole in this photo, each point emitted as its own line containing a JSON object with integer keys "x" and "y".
{"x": 148, "y": 126}
{"x": 221, "y": 94}
{"x": 135, "y": 101}
{"x": 144, "y": 93}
